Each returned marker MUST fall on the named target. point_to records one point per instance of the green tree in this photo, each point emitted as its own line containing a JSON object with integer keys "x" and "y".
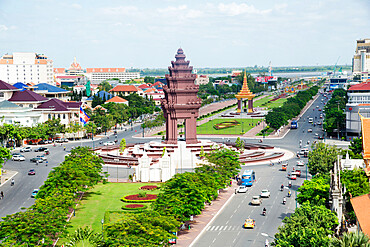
{"x": 84, "y": 237}
{"x": 321, "y": 159}
{"x": 122, "y": 145}
{"x": 315, "y": 191}
{"x": 4, "y": 155}
{"x": 141, "y": 229}
{"x": 308, "y": 226}
{"x": 149, "y": 79}
{"x": 351, "y": 239}
{"x": 356, "y": 182}
{"x": 356, "y": 146}
{"x": 105, "y": 86}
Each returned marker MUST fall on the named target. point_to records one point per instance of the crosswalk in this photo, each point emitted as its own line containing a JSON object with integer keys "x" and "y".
{"x": 222, "y": 228}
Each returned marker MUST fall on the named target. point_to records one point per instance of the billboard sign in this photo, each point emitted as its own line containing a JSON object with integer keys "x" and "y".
{"x": 265, "y": 79}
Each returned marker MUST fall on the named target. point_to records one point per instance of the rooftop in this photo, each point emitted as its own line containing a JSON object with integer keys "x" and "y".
{"x": 27, "y": 96}
{"x": 360, "y": 87}
{"x": 105, "y": 70}
{"x": 58, "y": 105}
{"x": 124, "y": 88}
{"x": 361, "y": 205}
{"x": 7, "y": 86}
{"x": 49, "y": 88}
{"x": 116, "y": 99}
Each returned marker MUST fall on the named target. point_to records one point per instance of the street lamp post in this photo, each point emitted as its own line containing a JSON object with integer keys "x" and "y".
{"x": 102, "y": 229}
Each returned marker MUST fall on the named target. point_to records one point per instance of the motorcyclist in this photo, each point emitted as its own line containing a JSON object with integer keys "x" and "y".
{"x": 282, "y": 187}
{"x": 267, "y": 244}
{"x": 284, "y": 200}
{"x": 289, "y": 193}
{"x": 264, "y": 211}
{"x": 290, "y": 184}
{"x": 64, "y": 148}
{"x": 12, "y": 182}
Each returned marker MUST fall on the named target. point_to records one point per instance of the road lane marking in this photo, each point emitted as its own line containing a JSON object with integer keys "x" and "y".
{"x": 212, "y": 228}
{"x": 216, "y": 228}
{"x": 208, "y": 227}
{"x": 221, "y": 228}
{"x": 227, "y": 222}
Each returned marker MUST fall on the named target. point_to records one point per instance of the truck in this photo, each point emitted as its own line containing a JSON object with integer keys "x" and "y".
{"x": 294, "y": 124}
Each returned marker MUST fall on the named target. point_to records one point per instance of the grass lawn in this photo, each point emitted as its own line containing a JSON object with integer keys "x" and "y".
{"x": 101, "y": 198}
{"x": 277, "y": 103}
{"x": 245, "y": 125}
{"x": 258, "y": 103}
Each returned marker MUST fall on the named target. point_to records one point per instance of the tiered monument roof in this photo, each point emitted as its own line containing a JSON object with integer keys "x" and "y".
{"x": 245, "y": 93}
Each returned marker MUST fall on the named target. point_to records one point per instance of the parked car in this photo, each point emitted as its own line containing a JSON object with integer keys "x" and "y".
{"x": 110, "y": 143}
{"x": 18, "y": 157}
{"x": 32, "y": 172}
{"x": 242, "y": 189}
{"x": 26, "y": 149}
{"x": 41, "y": 149}
{"x": 265, "y": 193}
{"x": 42, "y": 157}
{"x": 36, "y": 160}
{"x": 43, "y": 142}
{"x": 34, "y": 193}
{"x": 256, "y": 200}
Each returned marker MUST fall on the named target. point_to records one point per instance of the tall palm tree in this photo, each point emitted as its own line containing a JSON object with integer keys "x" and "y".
{"x": 357, "y": 239}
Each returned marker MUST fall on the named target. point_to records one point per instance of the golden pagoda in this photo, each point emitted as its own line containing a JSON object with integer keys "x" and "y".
{"x": 245, "y": 93}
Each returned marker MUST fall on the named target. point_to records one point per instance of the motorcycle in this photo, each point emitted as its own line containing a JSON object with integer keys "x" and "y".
{"x": 264, "y": 213}
{"x": 284, "y": 201}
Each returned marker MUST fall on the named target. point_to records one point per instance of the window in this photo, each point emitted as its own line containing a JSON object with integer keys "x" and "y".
{"x": 58, "y": 115}
{"x": 49, "y": 116}
{"x": 1, "y": 95}
{"x": 21, "y": 105}
{"x": 30, "y": 105}
{"x": 64, "y": 116}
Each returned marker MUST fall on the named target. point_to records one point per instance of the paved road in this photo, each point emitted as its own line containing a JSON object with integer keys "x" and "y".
{"x": 227, "y": 230}
{"x": 18, "y": 196}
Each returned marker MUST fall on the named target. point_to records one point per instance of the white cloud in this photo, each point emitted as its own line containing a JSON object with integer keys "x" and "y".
{"x": 121, "y": 10}
{"x": 3, "y": 28}
{"x": 76, "y": 6}
{"x": 233, "y": 9}
{"x": 171, "y": 9}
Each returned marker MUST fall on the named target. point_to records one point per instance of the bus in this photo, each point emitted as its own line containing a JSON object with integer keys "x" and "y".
{"x": 248, "y": 178}
{"x": 294, "y": 124}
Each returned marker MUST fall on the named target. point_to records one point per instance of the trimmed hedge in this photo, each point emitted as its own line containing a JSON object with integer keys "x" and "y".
{"x": 136, "y": 199}
{"x": 148, "y": 187}
{"x": 134, "y": 207}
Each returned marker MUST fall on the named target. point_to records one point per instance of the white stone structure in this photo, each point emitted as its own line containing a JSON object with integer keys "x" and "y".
{"x": 350, "y": 164}
{"x": 336, "y": 192}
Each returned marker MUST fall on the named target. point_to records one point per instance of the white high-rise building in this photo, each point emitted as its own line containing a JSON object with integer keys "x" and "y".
{"x": 26, "y": 67}
{"x": 361, "y": 59}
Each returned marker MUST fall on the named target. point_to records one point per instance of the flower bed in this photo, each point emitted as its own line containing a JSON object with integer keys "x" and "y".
{"x": 133, "y": 207}
{"x": 149, "y": 187}
{"x": 226, "y": 124}
{"x": 137, "y": 198}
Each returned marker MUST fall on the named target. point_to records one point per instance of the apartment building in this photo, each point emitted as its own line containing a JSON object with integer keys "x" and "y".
{"x": 26, "y": 67}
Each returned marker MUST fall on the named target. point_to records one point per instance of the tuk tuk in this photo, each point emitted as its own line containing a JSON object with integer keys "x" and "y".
{"x": 283, "y": 167}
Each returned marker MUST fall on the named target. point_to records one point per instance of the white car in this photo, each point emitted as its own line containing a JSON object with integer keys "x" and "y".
{"x": 300, "y": 163}
{"x": 242, "y": 189}
{"x": 26, "y": 149}
{"x": 265, "y": 193}
{"x": 256, "y": 200}
{"x": 18, "y": 157}
{"x": 42, "y": 157}
{"x": 109, "y": 143}
{"x": 309, "y": 130}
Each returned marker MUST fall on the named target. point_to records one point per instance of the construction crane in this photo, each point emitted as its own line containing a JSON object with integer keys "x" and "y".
{"x": 335, "y": 66}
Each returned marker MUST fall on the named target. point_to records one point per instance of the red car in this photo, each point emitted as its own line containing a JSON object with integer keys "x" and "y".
{"x": 32, "y": 172}
{"x": 297, "y": 173}
{"x": 319, "y": 109}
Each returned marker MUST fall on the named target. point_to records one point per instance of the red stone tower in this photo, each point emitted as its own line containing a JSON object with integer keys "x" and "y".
{"x": 181, "y": 101}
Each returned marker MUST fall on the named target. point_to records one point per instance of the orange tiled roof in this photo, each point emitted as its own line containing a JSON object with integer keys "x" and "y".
{"x": 116, "y": 99}
{"x": 124, "y": 88}
{"x": 359, "y": 87}
{"x": 150, "y": 90}
{"x": 59, "y": 70}
{"x": 105, "y": 70}
{"x": 361, "y": 205}
{"x": 365, "y": 125}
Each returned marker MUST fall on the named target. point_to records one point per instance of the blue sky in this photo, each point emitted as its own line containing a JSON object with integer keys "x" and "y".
{"x": 140, "y": 34}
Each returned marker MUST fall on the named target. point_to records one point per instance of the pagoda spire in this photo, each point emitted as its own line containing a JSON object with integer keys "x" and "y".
{"x": 245, "y": 93}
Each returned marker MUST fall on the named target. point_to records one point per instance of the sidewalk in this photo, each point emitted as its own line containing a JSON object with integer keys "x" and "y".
{"x": 255, "y": 130}
{"x": 6, "y": 175}
{"x": 187, "y": 237}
